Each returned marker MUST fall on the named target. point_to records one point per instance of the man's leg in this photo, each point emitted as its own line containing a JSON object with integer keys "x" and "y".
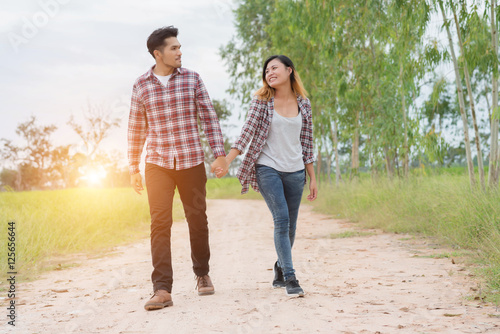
{"x": 160, "y": 186}
{"x": 191, "y": 184}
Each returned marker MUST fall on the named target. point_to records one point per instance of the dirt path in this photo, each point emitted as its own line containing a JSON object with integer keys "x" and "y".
{"x": 368, "y": 284}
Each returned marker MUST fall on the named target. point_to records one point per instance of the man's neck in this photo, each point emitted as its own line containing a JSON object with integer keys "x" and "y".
{"x": 161, "y": 69}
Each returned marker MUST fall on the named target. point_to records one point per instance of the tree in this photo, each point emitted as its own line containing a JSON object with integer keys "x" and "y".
{"x": 8, "y": 179}
{"x": 98, "y": 122}
{"x": 494, "y": 155}
{"x": 244, "y": 54}
{"x": 364, "y": 64}
{"x": 471, "y": 97}
{"x": 470, "y": 165}
{"x": 32, "y": 159}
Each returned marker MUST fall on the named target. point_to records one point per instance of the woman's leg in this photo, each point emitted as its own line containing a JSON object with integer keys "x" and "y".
{"x": 293, "y": 185}
{"x": 271, "y": 187}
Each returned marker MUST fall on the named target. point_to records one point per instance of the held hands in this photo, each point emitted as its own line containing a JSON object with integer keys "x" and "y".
{"x": 220, "y": 167}
{"x": 221, "y": 164}
{"x": 136, "y": 182}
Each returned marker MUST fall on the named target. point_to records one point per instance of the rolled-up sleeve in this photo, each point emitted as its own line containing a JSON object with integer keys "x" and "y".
{"x": 137, "y": 129}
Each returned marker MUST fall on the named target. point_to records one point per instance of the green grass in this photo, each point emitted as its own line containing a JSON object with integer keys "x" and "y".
{"x": 228, "y": 188}
{"x": 440, "y": 205}
{"x": 350, "y": 234}
{"x": 53, "y": 223}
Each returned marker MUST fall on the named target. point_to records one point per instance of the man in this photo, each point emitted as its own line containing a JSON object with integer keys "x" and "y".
{"x": 166, "y": 104}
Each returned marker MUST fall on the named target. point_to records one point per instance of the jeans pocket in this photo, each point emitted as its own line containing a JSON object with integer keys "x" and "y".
{"x": 259, "y": 168}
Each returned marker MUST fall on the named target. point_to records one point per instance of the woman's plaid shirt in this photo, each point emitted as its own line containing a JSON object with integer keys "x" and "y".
{"x": 256, "y": 126}
{"x": 168, "y": 118}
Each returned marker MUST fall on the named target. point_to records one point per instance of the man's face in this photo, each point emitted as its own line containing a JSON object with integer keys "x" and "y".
{"x": 171, "y": 54}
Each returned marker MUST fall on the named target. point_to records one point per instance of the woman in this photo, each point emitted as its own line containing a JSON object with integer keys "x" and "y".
{"x": 279, "y": 121}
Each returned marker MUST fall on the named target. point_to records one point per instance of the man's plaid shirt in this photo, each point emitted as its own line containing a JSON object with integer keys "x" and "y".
{"x": 168, "y": 118}
{"x": 257, "y": 126}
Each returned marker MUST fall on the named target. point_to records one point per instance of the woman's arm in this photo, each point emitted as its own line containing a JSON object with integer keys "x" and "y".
{"x": 232, "y": 155}
{"x": 313, "y": 187}
{"x": 247, "y": 132}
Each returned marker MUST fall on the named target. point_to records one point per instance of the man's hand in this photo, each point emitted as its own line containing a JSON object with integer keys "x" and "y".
{"x": 220, "y": 167}
{"x": 136, "y": 182}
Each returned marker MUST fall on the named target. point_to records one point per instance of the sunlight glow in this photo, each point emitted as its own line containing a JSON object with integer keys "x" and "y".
{"x": 93, "y": 176}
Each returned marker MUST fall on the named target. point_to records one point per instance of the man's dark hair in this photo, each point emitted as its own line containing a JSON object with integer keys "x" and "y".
{"x": 156, "y": 41}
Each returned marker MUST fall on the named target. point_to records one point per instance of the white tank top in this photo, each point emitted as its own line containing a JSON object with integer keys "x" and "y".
{"x": 283, "y": 150}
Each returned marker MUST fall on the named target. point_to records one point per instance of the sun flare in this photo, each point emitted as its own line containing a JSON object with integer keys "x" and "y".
{"x": 93, "y": 176}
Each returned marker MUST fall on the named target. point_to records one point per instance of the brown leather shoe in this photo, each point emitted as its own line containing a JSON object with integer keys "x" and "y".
{"x": 160, "y": 299}
{"x": 204, "y": 285}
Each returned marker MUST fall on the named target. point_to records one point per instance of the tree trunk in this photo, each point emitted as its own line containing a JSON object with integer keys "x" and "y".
{"x": 494, "y": 155}
{"x": 329, "y": 166}
{"x": 336, "y": 150}
{"x": 355, "y": 148}
{"x": 488, "y": 106}
{"x": 19, "y": 181}
{"x": 318, "y": 166}
{"x": 406, "y": 163}
{"x": 472, "y": 105}
{"x": 396, "y": 161}
{"x": 388, "y": 163}
{"x": 470, "y": 165}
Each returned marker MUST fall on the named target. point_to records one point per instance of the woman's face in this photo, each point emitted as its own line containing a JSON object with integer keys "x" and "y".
{"x": 277, "y": 73}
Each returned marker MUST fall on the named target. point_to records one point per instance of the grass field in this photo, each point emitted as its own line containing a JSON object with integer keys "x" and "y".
{"x": 437, "y": 204}
{"x": 51, "y": 223}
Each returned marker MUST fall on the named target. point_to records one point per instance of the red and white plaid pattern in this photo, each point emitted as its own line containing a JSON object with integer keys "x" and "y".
{"x": 257, "y": 126}
{"x": 167, "y": 118}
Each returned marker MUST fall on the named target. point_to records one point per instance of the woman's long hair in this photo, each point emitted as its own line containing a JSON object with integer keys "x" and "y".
{"x": 266, "y": 91}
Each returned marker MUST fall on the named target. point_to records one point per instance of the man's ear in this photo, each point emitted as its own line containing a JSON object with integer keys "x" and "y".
{"x": 157, "y": 54}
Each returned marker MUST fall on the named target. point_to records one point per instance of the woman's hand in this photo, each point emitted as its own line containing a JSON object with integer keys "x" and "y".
{"x": 219, "y": 166}
{"x": 313, "y": 191}
{"x": 220, "y": 172}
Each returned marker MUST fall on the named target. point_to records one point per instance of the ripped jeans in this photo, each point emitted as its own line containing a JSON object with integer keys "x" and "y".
{"x": 282, "y": 192}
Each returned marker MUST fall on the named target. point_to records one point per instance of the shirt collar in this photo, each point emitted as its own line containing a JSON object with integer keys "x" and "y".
{"x": 176, "y": 71}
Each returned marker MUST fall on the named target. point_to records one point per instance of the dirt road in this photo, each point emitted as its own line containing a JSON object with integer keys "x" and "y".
{"x": 377, "y": 283}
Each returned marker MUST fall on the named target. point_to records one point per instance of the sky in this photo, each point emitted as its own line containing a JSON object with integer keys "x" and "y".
{"x": 60, "y": 55}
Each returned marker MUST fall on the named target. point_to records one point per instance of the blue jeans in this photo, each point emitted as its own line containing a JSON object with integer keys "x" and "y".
{"x": 282, "y": 193}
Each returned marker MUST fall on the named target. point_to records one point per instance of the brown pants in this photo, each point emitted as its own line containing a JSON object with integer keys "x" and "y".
{"x": 161, "y": 184}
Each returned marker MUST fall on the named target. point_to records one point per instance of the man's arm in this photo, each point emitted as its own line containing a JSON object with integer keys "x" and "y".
{"x": 136, "y": 136}
{"x": 211, "y": 126}
{"x": 136, "y": 182}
